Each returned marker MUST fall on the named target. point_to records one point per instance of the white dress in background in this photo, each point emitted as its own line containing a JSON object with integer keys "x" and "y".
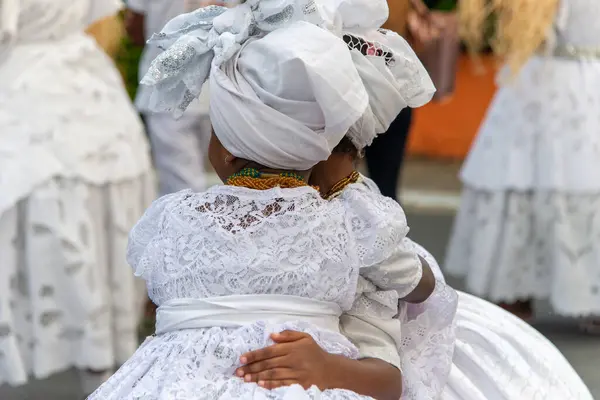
{"x": 529, "y": 220}
{"x": 75, "y": 176}
{"x": 230, "y": 266}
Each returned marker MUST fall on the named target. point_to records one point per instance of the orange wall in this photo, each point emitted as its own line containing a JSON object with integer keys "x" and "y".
{"x": 447, "y": 129}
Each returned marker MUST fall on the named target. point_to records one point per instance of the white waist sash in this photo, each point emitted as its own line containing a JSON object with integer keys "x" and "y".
{"x": 239, "y": 310}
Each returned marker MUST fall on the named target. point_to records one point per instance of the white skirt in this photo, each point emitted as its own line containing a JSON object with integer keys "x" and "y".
{"x": 67, "y": 296}
{"x": 520, "y": 245}
{"x": 542, "y": 131}
{"x": 499, "y": 356}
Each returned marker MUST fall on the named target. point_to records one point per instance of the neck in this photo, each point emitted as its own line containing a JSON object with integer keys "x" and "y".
{"x": 327, "y": 179}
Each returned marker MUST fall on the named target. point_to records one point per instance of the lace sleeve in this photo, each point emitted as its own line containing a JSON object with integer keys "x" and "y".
{"x": 378, "y": 224}
{"x": 419, "y": 339}
{"x": 143, "y": 249}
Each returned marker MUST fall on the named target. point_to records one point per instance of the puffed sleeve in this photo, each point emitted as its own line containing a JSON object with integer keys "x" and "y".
{"x": 100, "y": 9}
{"x": 143, "y": 249}
{"x": 379, "y": 228}
{"x": 417, "y": 338}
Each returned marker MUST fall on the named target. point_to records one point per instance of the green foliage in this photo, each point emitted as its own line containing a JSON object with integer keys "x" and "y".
{"x": 128, "y": 59}
{"x": 445, "y": 5}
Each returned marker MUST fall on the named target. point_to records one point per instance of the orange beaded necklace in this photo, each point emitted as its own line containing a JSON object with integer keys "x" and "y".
{"x": 341, "y": 185}
{"x": 254, "y": 179}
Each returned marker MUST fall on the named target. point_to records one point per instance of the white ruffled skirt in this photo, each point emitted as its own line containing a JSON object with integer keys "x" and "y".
{"x": 499, "y": 356}
{"x": 200, "y": 364}
{"x": 528, "y": 224}
{"x": 67, "y": 296}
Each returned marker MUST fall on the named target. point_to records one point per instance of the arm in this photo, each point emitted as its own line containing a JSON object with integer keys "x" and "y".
{"x": 425, "y": 286}
{"x": 370, "y": 377}
{"x": 296, "y": 358}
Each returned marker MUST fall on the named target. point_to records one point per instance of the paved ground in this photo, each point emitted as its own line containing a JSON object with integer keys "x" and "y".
{"x": 430, "y": 193}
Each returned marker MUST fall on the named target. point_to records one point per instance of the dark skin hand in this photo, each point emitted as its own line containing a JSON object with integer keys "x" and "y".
{"x": 296, "y": 358}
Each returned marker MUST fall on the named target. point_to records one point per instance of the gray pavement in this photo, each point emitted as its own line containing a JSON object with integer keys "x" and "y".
{"x": 431, "y": 228}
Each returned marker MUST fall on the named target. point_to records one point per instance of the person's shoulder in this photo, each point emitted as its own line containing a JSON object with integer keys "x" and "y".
{"x": 361, "y": 199}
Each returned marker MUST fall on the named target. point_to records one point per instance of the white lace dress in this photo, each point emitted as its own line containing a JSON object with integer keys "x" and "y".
{"x": 456, "y": 347}
{"x": 529, "y": 221}
{"x": 75, "y": 176}
{"x": 230, "y": 266}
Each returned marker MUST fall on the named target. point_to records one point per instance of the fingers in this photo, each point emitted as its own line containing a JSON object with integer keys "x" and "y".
{"x": 275, "y": 374}
{"x": 278, "y": 383}
{"x": 289, "y": 336}
{"x": 260, "y": 366}
{"x": 263, "y": 354}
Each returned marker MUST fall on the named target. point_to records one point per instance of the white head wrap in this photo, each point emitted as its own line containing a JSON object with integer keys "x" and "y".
{"x": 283, "y": 91}
{"x": 391, "y": 71}
{"x": 284, "y": 87}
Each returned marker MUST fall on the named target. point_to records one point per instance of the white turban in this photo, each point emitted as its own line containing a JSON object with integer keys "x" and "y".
{"x": 283, "y": 91}
{"x": 391, "y": 72}
{"x": 284, "y": 87}
{"x": 287, "y": 99}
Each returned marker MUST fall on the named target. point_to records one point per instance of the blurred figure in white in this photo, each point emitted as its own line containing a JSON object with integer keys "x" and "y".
{"x": 528, "y": 226}
{"x": 178, "y": 145}
{"x": 75, "y": 175}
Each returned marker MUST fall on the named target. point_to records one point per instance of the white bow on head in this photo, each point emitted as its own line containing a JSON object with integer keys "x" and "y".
{"x": 283, "y": 90}
{"x": 210, "y": 36}
{"x": 383, "y": 69}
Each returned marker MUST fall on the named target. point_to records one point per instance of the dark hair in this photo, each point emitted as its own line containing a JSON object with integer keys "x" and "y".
{"x": 347, "y": 147}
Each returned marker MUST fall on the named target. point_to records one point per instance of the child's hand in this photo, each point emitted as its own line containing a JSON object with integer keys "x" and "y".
{"x": 295, "y": 358}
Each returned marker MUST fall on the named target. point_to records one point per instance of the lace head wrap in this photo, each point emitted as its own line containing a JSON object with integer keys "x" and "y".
{"x": 284, "y": 87}
{"x": 390, "y": 70}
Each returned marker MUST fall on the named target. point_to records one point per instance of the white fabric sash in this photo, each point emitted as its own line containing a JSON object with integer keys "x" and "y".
{"x": 239, "y": 310}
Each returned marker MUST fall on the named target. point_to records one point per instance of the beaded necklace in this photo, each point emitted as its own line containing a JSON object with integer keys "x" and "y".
{"x": 341, "y": 185}
{"x": 254, "y": 179}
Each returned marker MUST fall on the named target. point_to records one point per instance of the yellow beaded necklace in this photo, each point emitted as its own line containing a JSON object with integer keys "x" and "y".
{"x": 341, "y": 185}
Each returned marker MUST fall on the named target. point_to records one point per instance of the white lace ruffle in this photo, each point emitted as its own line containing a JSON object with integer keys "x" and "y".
{"x": 517, "y": 245}
{"x": 428, "y": 336}
{"x": 200, "y": 364}
{"x": 68, "y": 298}
{"x": 232, "y": 240}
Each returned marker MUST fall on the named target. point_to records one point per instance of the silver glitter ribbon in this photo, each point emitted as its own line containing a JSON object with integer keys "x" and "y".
{"x": 206, "y": 38}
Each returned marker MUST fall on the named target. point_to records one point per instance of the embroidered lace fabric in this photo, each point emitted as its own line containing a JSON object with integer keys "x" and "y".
{"x": 57, "y": 88}
{"x": 426, "y": 339}
{"x": 527, "y": 225}
{"x": 541, "y": 131}
{"x": 236, "y": 241}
